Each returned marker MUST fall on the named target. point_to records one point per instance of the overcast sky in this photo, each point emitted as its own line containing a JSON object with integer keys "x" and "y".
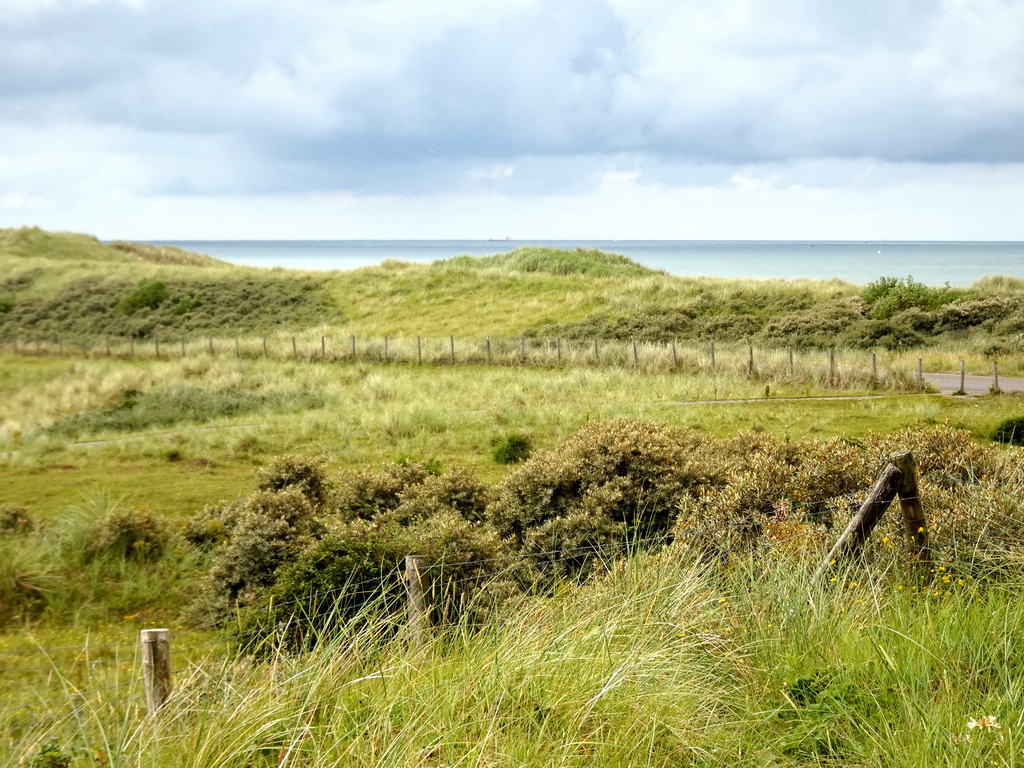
{"x": 591, "y": 119}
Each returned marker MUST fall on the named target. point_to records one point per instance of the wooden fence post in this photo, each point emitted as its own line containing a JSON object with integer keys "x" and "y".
{"x": 323, "y": 347}
{"x": 522, "y": 350}
{"x": 264, "y": 346}
{"x": 920, "y": 374}
{"x": 451, "y": 348}
{"x": 597, "y": 353}
{"x": 488, "y": 345}
{"x": 558, "y": 350}
{"x": 419, "y": 350}
{"x": 238, "y": 351}
{"x": 832, "y": 365}
{"x": 209, "y": 344}
{"x": 385, "y": 349}
{"x": 353, "y": 347}
{"x": 874, "y": 367}
{"x": 712, "y": 349}
{"x": 995, "y": 376}
{"x": 295, "y": 349}
{"x": 914, "y": 520}
{"x": 675, "y": 357}
{"x": 899, "y": 478}
{"x": 750, "y": 359}
{"x": 963, "y": 378}
{"x": 156, "y": 345}
{"x": 790, "y": 350}
{"x": 636, "y": 359}
{"x": 416, "y": 590}
{"x": 156, "y": 667}
{"x": 183, "y": 349}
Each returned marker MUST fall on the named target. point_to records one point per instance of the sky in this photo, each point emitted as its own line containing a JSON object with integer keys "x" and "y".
{"x": 547, "y": 119}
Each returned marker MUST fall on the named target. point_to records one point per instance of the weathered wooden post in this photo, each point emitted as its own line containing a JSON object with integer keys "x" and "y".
{"x": 963, "y": 378}
{"x": 156, "y": 667}
{"x": 558, "y": 350}
{"x": 353, "y": 347}
{"x": 874, "y": 367}
{"x": 675, "y": 357}
{"x": 295, "y": 349}
{"x": 712, "y": 349}
{"x": 386, "y": 349}
{"x": 636, "y": 359}
{"x": 832, "y": 365}
{"x": 790, "y": 350}
{"x": 451, "y": 348}
{"x": 323, "y": 347}
{"x": 995, "y": 375}
{"x": 238, "y": 348}
{"x": 920, "y": 374}
{"x": 264, "y": 346}
{"x": 750, "y": 359}
{"x": 488, "y": 345}
{"x": 597, "y": 353}
{"x": 914, "y": 520}
{"x": 210, "y": 344}
{"x": 419, "y": 350}
{"x": 522, "y": 350}
{"x": 183, "y": 349}
{"x": 156, "y": 344}
{"x": 898, "y": 479}
{"x": 416, "y": 590}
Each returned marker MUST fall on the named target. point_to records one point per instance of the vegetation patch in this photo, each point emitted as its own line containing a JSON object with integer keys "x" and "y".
{"x": 1010, "y": 431}
{"x": 554, "y": 261}
{"x": 98, "y": 306}
{"x": 137, "y": 411}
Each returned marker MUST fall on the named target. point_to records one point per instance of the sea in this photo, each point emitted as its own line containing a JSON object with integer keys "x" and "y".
{"x": 932, "y": 263}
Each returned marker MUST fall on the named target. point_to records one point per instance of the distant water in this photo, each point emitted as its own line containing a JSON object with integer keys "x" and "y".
{"x": 934, "y": 263}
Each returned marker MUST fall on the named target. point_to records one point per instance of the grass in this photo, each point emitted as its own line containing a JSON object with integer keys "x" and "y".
{"x": 662, "y": 662}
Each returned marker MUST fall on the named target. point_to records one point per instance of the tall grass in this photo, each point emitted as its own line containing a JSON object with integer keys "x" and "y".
{"x": 660, "y": 661}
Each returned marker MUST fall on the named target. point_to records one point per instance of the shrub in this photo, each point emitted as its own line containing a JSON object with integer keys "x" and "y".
{"x": 512, "y": 448}
{"x": 147, "y": 294}
{"x": 888, "y": 296}
{"x": 818, "y": 327}
{"x": 366, "y": 494}
{"x": 7, "y": 303}
{"x": 16, "y": 520}
{"x": 1010, "y": 431}
{"x": 305, "y": 474}
{"x": 611, "y": 483}
{"x": 130, "y": 534}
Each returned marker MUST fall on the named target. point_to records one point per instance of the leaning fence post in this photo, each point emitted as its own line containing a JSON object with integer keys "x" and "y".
{"x": 881, "y": 495}
{"x": 914, "y": 519}
{"x": 156, "y": 667}
{"x": 416, "y": 591}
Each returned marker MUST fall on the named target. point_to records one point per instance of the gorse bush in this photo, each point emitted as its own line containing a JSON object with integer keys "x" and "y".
{"x": 888, "y": 296}
{"x": 1010, "y": 431}
{"x": 512, "y": 448}
{"x": 129, "y": 534}
{"x": 148, "y": 294}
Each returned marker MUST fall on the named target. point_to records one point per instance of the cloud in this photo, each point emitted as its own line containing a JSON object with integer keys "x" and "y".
{"x": 517, "y": 97}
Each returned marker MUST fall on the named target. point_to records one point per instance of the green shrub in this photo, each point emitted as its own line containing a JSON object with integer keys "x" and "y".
{"x": 555, "y": 261}
{"x": 305, "y": 474}
{"x": 147, "y": 294}
{"x": 7, "y": 303}
{"x": 367, "y": 493}
{"x": 889, "y": 296}
{"x": 129, "y": 534}
{"x": 15, "y": 520}
{"x": 512, "y": 448}
{"x": 611, "y": 483}
{"x": 1010, "y": 431}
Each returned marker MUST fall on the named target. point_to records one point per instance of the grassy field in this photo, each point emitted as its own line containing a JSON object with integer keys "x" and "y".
{"x": 661, "y": 659}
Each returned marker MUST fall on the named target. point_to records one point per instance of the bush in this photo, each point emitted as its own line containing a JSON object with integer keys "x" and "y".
{"x": 611, "y": 483}
{"x": 1010, "y": 431}
{"x": 148, "y": 294}
{"x": 16, "y": 520}
{"x": 305, "y": 474}
{"x": 889, "y": 296}
{"x": 513, "y": 448}
{"x": 130, "y": 534}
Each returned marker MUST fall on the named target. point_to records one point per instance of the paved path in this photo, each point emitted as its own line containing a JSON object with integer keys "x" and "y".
{"x": 948, "y": 383}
